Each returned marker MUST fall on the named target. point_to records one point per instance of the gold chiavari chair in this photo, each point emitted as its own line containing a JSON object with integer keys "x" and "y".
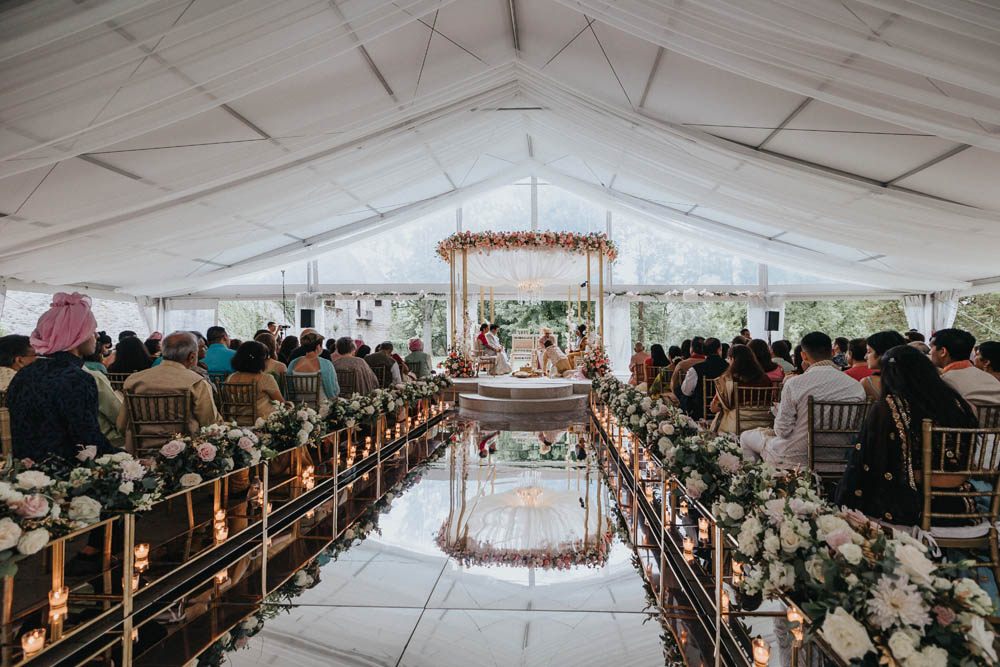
{"x": 304, "y": 388}
{"x": 833, "y": 428}
{"x": 217, "y": 379}
{"x": 348, "y": 381}
{"x": 989, "y": 414}
{"x": 707, "y": 394}
{"x": 6, "y": 445}
{"x": 381, "y": 374}
{"x": 152, "y": 419}
{"x": 238, "y": 402}
{"x": 117, "y": 380}
{"x": 757, "y": 399}
{"x": 960, "y": 470}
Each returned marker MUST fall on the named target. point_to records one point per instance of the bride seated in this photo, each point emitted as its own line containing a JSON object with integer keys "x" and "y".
{"x": 502, "y": 365}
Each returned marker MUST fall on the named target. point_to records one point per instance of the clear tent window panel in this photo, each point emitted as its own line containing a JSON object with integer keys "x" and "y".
{"x": 777, "y": 275}
{"x": 505, "y": 209}
{"x": 563, "y": 211}
{"x": 648, "y": 256}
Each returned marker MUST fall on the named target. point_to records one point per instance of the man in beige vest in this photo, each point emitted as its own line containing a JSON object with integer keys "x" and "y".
{"x": 173, "y": 375}
{"x": 557, "y": 359}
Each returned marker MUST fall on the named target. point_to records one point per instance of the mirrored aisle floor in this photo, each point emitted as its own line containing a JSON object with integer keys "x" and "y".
{"x": 438, "y": 585}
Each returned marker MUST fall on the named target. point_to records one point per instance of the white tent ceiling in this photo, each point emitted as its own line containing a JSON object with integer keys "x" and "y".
{"x": 167, "y": 146}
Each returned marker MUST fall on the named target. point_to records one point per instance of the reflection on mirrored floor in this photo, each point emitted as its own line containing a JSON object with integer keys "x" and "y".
{"x": 503, "y": 553}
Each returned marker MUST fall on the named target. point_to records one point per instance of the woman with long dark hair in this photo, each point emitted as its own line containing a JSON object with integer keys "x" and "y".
{"x": 878, "y": 345}
{"x": 883, "y": 476}
{"x": 744, "y": 370}
{"x": 781, "y": 355}
{"x": 131, "y": 355}
{"x": 657, "y": 357}
{"x": 763, "y": 354}
{"x": 288, "y": 346}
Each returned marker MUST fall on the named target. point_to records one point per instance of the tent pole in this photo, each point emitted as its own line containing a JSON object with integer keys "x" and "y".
{"x": 492, "y": 307}
{"x": 600, "y": 289}
{"x": 465, "y": 298}
{"x": 588, "y": 289}
{"x": 451, "y": 299}
{"x": 482, "y": 305}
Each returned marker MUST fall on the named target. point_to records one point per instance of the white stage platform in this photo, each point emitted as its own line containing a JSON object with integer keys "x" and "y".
{"x": 515, "y": 396}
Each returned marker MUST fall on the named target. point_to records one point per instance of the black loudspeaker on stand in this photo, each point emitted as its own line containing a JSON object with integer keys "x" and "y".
{"x": 770, "y": 323}
{"x": 307, "y": 318}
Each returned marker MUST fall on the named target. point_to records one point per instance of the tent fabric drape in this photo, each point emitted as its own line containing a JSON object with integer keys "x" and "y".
{"x": 945, "y": 309}
{"x": 915, "y": 307}
{"x": 511, "y": 267}
{"x": 884, "y": 64}
{"x": 618, "y": 332}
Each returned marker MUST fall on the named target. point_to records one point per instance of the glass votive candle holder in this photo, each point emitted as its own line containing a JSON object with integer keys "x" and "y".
{"x": 33, "y": 641}
{"x": 761, "y": 652}
{"x": 142, "y": 551}
{"x": 58, "y": 597}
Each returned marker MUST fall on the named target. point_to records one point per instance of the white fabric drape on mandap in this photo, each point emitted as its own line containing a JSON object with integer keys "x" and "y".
{"x": 618, "y": 332}
{"x": 511, "y": 267}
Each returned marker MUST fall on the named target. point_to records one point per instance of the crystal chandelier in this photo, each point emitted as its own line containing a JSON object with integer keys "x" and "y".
{"x": 530, "y": 291}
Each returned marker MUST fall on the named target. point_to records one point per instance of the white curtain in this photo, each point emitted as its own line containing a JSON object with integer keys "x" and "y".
{"x": 3, "y": 296}
{"x": 618, "y": 332}
{"x": 510, "y": 267}
{"x": 916, "y": 307}
{"x": 147, "y": 311}
{"x": 945, "y": 309}
{"x": 929, "y": 66}
{"x": 190, "y": 314}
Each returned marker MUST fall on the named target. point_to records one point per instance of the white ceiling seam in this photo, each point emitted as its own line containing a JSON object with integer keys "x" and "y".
{"x": 247, "y": 75}
{"x": 746, "y": 39}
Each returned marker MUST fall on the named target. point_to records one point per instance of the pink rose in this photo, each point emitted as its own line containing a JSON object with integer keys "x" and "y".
{"x": 945, "y": 615}
{"x": 854, "y": 517}
{"x": 245, "y": 443}
{"x": 33, "y": 507}
{"x": 27, "y": 463}
{"x": 838, "y": 537}
{"x": 172, "y": 449}
{"x": 87, "y": 453}
{"x": 241, "y": 642}
{"x": 206, "y": 451}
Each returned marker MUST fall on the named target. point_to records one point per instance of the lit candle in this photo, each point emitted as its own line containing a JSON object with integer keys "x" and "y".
{"x": 221, "y": 533}
{"x": 58, "y": 597}
{"x": 684, "y": 636}
{"x": 222, "y": 577}
{"x": 135, "y": 581}
{"x": 725, "y": 602}
{"x": 142, "y": 565}
{"x": 737, "y": 572}
{"x": 310, "y": 514}
{"x": 270, "y": 506}
{"x": 761, "y": 652}
{"x": 220, "y": 515}
{"x": 33, "y": 642}
{"x": 135, "y": 634}
{"x": 141, "y": 551}
{"x": 703, "y": 525}
{"x": 309, "y": 483}
{"x": 688, "y": 545}
{"x": 684, "y": 508}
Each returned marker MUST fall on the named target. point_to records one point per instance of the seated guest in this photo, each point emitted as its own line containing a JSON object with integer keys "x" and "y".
{"x": 922, "y": 346}
{"x": 404, "y": 371}
{"x": 638, "y": 359}
{"x": 331, "y": 349}
{"x": 579, "y": 346}
{"x": 840, "y": 345}
{"x": 657, "y": 357}
{"x": 109, "y": 403}
{"x": 781, "y": 354}
{"x": 744, "y": 370}
{"x": 104, "y": 346}
{"x": 362, "y": 351}
{"x": 174, "y": 375}
{"x": 745, "y": 333}
{"x": 312, "y": 362}
{"x": 95, "y": 361}
{"x": 152, "y": 346}
{"x": 15, "y": 353}
{"x": 694, "y": 380}
{"x": 739, "y": 340}
{"x": 685, "y": 348}
{"x": 697, "y": 355}
{"x": 799, "y": 367}
{"x": 218, "y": 358}
{"x": 724, "y": 351}
{"x": 273, "y": 367}
{"x": 558, "y": 360}
{"x": 288, "y": 345}
{"x": 418, "y": 360}
{"x": 653, "y": 368}
{"x": 249, "y": 367}
{"x": 482, "y": 343}
{"x": 674, "y": 354}
{"x": 53, "y": 402}
{"x": 988, "y": 358}
{"x": 914, "y": 336}
{"x": 877, "y": 345}
{"x": 951, "y": 350}
{"x": 857, "y": 351}
{"x": 883, "y": 476}
{"x": 130, "y": 357}
{"x": 382, "y": 358}
{"x": 762, "y": 353}
{"x": 234, "y": 344}
{"x": 364, "y": 378}
{"x": 786, "y": 444}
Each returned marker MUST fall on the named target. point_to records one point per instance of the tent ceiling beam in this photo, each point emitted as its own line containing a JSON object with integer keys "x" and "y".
{"x": 89, "y": 159}
{"x": 652, "y": 75}
{"x": 513, "y": 26}
{"x": 929, "y": 163}
{"x": 784, "y": 123}
{"x": 363, "y": 50}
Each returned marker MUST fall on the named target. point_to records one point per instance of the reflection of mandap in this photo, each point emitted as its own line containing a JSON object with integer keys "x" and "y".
{"x": 529, "y": 526}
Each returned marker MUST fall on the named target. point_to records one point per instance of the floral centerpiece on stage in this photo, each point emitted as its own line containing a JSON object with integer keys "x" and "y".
{"x": 547, "y": 240}
{"x": 871, "y": 591}
{"x": 563, "y": 559}
{"x": 595, "y": 362}
{"x": 458, "y": 363}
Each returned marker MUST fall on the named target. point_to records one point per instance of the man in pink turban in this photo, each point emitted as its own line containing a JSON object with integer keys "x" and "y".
{"x": 53, "y": 402}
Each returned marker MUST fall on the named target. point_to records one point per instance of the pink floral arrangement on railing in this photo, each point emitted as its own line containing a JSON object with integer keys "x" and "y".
{"x": 547, "y": 240}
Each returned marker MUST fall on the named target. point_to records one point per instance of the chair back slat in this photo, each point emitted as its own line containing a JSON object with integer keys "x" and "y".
{"x": 217, "y": 379}
{"x": 989, "y": 414}
{"x": 950, "y": 458}
{"x": 833, "y": 426}
{"x": 753, "y": 398}
{"x": 304, "y": 388}
{"x": 707, "y": 394}
{"x": 153, "y": 418}
{"x": 6, "y": 445}
{"x": 117, "y": 380}
{"x": 381, "y": 374}
{"x": 348, "y": 381}
{"x": 417, "y": 367}
{"x": 238, "y": 402}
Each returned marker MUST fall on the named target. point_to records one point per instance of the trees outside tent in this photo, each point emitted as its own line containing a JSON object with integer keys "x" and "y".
{"x": 849, "y": 318}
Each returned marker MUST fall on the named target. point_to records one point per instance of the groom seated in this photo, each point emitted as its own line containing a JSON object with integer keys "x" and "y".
{"x": 560, "y": 363}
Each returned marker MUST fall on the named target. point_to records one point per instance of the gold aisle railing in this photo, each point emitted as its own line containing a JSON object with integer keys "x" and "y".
{"x": 238, "y": 543}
